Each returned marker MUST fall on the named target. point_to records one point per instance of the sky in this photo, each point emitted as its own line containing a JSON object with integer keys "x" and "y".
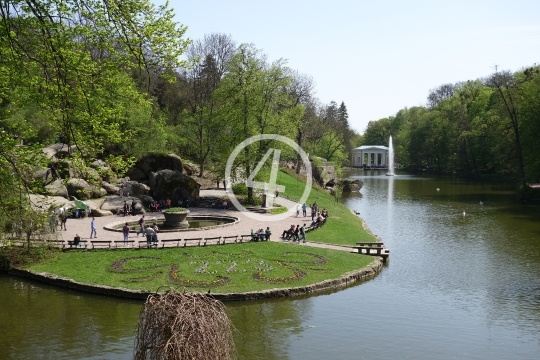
{"x": 378, "y": 57}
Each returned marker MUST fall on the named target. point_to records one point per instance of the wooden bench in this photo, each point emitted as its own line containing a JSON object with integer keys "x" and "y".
{"x": 72, "y": 245}
{"x": 56, "y": 243}
{"x": 371, "y": 244}
{"x": 212, "y": 239}
{"x": 373, "y": 251}
{"x": 101, "y": 243}
{"x": 199, "y": 240}
{"x": 231, "y": 238}
{"x": 178, "y": 241}
{"x": 248, "y": 238}
{"x": 122, "y": 242}
{"x": 144, "y": 244}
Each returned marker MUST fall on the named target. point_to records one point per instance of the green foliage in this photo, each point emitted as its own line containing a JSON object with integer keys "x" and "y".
{"x": 240, "y": 189}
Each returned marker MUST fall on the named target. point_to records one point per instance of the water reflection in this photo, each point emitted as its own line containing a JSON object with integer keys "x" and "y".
{"x": 457, "y": 287}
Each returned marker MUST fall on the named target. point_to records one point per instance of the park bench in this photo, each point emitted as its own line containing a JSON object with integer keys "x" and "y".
{"x": 126, "y": 244}
{"x": 177, "y": 241}
{"x": 373, "y": 250}
{"x": 144, "y": 244}
{"x": 231, "y": 238}
{"x": 100, "y": 243}
{"x": 199, "y": 240}
{"x": 370, "y": 244}
{"x": 71, "y": 244}
{"x": 59, "y": 243}
{"x": 216, "y": 239}
{"x": 248, "y": 238}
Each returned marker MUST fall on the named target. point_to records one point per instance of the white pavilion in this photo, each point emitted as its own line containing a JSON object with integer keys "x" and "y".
{"x": 370, "y": 156}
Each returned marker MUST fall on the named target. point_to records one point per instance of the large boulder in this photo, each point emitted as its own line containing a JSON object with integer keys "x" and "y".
{"x": 80, "y": 189}
{"x": 175, "y": 185}
{"x": 350, "y": 185}
{"x": 137, "y": 189}
{"x": 110, "y": 188}
{"x": 57, "y": 188}
{"x": 115, "y": 203}
{"x": 190, "y": 169}
{"x": 58, "y": 150}
{"x": 44, "y": 203}
{"x": 100, "y": 212}
{"x": 153, "y": 163}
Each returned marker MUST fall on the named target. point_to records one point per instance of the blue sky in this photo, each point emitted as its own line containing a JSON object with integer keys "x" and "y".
{"x": 377, "y": 56}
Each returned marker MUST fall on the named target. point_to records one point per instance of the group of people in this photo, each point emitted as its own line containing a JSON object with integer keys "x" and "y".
{"x": 150, "y": 231}
{"x": 261, "y": 234}
{"x": 58, "y": 218}
{"x": 296, "y": 233}
{"x": 220, "y": 204}
{"x": 129, "y": 209}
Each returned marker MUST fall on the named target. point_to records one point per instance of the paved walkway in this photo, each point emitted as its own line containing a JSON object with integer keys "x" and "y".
{"x": 243, "y": 227}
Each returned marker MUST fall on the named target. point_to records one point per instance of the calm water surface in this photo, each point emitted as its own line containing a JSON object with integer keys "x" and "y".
{"x": 457, "y": 286}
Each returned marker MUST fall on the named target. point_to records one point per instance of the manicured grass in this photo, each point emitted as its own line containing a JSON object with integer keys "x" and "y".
{"x": 222, "y": 269}
{"x": 342, "y": 228}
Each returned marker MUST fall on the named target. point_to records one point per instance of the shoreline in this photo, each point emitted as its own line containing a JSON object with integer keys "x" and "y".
{"x": 347, "y": 279}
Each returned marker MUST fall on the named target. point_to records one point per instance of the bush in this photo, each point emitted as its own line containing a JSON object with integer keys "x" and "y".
{"x": 240, "y": 189}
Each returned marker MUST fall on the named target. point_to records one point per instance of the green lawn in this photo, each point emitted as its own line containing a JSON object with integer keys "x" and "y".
{"x": 222, "y": 269}
{"x": 342, "y": 228}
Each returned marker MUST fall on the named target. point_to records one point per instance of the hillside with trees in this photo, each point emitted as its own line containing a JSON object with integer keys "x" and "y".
{"x": 115, "y": 81}
{"x": 483, "y": 127}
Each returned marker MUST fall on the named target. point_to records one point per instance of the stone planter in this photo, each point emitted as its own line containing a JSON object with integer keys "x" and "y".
{"x": 176, "y": 219}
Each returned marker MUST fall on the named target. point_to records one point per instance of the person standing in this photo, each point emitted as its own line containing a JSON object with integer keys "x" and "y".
{"x": 125, "y": 231}
{"x": 297, "y": 210}
{"x": 304, "y": 209}
{"x": 121, "y": 189}
{"x": 126, "y": 208}
{"x": 149, "y": 234}
{"x": 155, "y": 235}
{"x": 303, "y": 233}
{"x": 93, "y": 230}
{"x": 141, "y": 224}
{"x": 63, "y": 219}
{"x": 296, "y": 234}
{"x": 133, "y": 204}
{"x": 277, "y": 191}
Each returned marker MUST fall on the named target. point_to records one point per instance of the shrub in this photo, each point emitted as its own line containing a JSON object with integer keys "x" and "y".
{"x": 240, "y": 189}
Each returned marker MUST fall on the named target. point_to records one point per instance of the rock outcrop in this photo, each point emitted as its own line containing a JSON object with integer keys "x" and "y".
{"x": 115, "y": 203}
{"x": 350, "y": 185}
{"x": 152, "y": 163}
{"x": 80, "y": 189}
{"x": 57, "y": 188}
{"x": 181, "y": 186}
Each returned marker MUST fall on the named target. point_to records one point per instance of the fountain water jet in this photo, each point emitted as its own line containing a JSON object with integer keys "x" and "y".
{"x": 390, "y": 158}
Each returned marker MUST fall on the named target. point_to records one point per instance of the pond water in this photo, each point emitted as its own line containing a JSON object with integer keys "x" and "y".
{"x": 456, "y": 286}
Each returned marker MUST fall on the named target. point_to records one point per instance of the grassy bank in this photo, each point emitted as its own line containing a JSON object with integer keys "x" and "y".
{"x": 342, "y": 228}
{"x": 221, "y": 269}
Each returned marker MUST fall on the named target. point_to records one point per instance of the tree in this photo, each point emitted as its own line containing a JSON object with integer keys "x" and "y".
{"x": 73, "y": 62}
{"x": 255, "y": 101}
{"x": 202, "y": 126}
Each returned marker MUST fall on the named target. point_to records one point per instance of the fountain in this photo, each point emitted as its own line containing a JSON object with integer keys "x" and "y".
{"x": 390, "y": 157}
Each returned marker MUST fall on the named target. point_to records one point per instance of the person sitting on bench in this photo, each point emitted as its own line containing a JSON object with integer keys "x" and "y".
{"x": 288, "y": 233}
{"x": 77, "y": 240}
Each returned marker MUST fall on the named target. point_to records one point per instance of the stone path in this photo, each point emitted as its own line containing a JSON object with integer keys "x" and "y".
{"x": 243, "y": 227}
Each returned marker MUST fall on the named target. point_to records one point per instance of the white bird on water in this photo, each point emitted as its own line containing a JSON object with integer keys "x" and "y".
{"x": 464, "y": 213}
{"x": 438, "y": 189}
{"x": 481, "y": 203}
